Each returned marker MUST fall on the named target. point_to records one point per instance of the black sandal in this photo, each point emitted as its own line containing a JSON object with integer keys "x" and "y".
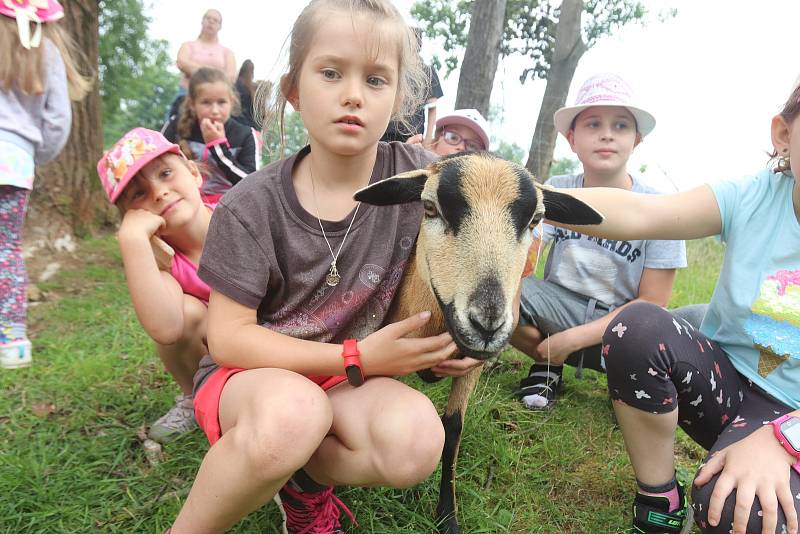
{"x": 543, "y": 383}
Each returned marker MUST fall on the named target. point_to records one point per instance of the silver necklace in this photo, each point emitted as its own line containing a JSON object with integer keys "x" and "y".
{"x": 333, "y": 277}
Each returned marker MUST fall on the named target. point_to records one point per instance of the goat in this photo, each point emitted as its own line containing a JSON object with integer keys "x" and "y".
{"x": 479, "y": 216}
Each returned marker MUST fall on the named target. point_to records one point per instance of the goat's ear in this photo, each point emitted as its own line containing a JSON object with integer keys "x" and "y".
{"x": 563, "y": 208}
{"x": 399, "y": 189}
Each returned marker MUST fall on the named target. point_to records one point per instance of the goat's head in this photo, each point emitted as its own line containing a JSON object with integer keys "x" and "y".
{"x": 480, "y": 212}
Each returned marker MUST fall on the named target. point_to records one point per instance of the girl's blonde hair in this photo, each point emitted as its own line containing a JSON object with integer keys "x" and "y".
{"x": 270, "y": 102}
{"x": 24, "y": 70}
{"x": 187, "y": 117}
{"x": 790, "y": 111}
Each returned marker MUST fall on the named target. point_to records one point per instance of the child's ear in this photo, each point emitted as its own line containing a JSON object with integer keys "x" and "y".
{"x": 195, "y": 170}
{"x": 289, "y": 92}
{"x": 779, "y": 130}
{"x": 638, "y": 140}
{"x": 571, "y": 138}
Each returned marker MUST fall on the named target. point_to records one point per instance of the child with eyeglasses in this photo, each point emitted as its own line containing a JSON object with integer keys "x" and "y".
{"x": 464, "y": 130}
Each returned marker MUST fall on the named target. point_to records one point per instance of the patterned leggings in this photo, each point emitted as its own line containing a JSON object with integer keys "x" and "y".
{"x": 657, "y": 362}
{"x": 13, "y": 277}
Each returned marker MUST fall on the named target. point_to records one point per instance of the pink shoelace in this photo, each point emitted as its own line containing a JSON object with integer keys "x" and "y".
{"x": 318, "y": 513}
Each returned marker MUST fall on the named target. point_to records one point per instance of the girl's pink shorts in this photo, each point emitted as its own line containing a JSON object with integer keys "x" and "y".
{"x": 206, "y": 400}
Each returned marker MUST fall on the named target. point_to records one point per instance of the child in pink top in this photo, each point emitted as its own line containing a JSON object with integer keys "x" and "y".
{"x": 164, "y": 226}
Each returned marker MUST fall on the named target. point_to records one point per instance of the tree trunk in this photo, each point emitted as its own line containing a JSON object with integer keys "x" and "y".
{"x": 568, "y": 49}
{"x": 67, "y": 198}
{"x": 481, "y": 56}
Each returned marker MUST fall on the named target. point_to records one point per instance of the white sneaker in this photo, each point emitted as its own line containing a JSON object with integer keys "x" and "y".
{"x": 15, "y": 354}
{"x": 177, "y": 421}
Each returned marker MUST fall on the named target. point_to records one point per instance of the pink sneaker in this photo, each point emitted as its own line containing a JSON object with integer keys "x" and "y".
{"x": 311, "y": 512}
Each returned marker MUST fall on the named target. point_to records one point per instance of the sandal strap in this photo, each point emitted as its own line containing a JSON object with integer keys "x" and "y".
{"x": 540, "y": 382}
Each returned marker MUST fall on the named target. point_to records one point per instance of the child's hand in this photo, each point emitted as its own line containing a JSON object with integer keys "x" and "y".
{"x": 388, "y": 352}
{"x": 212, "y": 130}
{"x": 756, "y": 466}
{"x": 456, "y": 367}
{"x": 556, "y": 347}
{"x": 417, "y": 139}
{"x": 139, "y": 223}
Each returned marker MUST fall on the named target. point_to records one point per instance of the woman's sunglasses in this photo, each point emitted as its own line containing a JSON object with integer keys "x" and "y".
{"x": 452, "y": 138}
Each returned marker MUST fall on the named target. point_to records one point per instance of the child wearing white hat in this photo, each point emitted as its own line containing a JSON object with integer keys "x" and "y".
{"x": 587, "y": 280}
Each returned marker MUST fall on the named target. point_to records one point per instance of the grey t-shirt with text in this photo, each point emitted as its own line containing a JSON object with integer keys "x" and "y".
{"x": 603, "y": 269}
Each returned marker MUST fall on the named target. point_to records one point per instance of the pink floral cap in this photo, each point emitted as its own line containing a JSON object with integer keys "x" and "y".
{"x": 136, "y": 149}
{"x": 27, "y": 11}
{"x": 604, "y": 90}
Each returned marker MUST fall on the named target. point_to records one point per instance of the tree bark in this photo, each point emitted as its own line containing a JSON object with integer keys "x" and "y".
{"x": 67, "y": 198}
{"x": 481, "y": 56}
{"x": 568, "y": 49}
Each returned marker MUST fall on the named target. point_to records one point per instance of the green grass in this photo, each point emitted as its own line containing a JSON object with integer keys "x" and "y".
{"x": 71, "y": 459}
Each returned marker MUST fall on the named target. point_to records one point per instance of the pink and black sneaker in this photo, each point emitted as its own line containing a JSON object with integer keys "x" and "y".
{"x": 310, "y": 508}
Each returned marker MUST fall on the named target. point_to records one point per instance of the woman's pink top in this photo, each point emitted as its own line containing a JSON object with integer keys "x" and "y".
{"x": 206, "y": 55}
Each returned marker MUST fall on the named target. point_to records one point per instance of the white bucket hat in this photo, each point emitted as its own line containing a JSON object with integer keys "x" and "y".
{"x": 472, "y": 119}
{"x": 604, "y": 90}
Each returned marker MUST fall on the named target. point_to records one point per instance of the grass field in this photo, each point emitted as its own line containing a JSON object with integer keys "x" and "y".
{"x": 71, "y": 459}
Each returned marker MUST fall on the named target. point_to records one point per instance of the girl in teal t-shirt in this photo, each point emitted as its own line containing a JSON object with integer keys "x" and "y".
{"x": 733, "y": 385}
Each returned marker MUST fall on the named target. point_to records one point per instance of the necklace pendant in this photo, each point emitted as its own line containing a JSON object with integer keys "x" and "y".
{"x": 333, "y": 278}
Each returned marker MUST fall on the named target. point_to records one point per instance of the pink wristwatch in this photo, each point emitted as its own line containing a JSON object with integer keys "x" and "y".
{"x": 787, "y": 431}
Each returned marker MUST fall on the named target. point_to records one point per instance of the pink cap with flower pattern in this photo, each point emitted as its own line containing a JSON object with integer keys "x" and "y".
{"x": 136, "y": 149}
{"x": 28, "y": 11}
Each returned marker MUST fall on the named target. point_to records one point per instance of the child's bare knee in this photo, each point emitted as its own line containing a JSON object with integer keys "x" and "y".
{"x": 413, "y": 443}
{"x": 284, "y": 432}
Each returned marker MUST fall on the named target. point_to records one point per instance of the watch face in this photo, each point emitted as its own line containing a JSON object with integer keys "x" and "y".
{"x": 791, "y": 431}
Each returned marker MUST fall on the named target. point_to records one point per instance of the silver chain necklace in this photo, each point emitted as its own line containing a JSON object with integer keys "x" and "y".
{"x": 333, "y": 277}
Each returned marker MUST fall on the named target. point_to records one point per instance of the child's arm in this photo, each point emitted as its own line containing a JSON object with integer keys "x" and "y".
{"x": 56, "y": 118}
{"x": 235, "y": 339}
{"x": 686, "y": 215}
{"x": 655, "y": 286}
{"x": 156, "y": 296}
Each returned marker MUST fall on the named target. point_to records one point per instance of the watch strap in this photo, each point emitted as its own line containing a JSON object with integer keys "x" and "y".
{"x": 776, "y": 429}
{"x": 352, "y": 362}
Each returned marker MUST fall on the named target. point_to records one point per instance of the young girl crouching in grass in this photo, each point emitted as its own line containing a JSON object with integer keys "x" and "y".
{"x": 734, "y": 384}
{"x": 157, "y": 191}
{"x": 301, "y": 277}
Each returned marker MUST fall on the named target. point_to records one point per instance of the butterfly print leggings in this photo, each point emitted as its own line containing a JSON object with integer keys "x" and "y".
{"x": 657, "y": 362}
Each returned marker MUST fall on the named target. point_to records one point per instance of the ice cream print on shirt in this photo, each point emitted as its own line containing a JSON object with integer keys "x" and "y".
{"x": 775, "y": 322}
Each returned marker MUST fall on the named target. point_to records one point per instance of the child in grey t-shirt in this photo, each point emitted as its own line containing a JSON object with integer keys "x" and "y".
{"x": 587, "y": 279}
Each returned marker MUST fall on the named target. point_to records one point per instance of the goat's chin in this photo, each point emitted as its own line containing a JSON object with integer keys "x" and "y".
{"x": 471, "y": 344}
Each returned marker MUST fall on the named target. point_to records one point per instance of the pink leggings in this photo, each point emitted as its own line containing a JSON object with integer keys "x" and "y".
{"x": 13, "y": 277}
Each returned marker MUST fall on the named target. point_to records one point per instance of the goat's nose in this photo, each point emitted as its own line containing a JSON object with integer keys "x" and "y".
{"x": 486, "y": 322}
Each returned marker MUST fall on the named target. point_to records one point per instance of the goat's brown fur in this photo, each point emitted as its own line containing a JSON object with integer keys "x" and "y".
{"x": 470, "y": 270}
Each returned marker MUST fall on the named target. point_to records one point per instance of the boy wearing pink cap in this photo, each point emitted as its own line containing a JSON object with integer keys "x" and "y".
{"x": 588, "y": 280}
{"x": 164, "y": 226}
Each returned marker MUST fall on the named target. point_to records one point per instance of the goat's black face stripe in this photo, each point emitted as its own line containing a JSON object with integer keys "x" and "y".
{"x": 523, "y": 207}
{"x": 452, "y": 201}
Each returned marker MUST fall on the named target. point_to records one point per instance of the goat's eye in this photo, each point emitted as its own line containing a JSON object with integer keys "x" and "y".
{"x": 534, "y": 222}
{"x": 430, "y": 209}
